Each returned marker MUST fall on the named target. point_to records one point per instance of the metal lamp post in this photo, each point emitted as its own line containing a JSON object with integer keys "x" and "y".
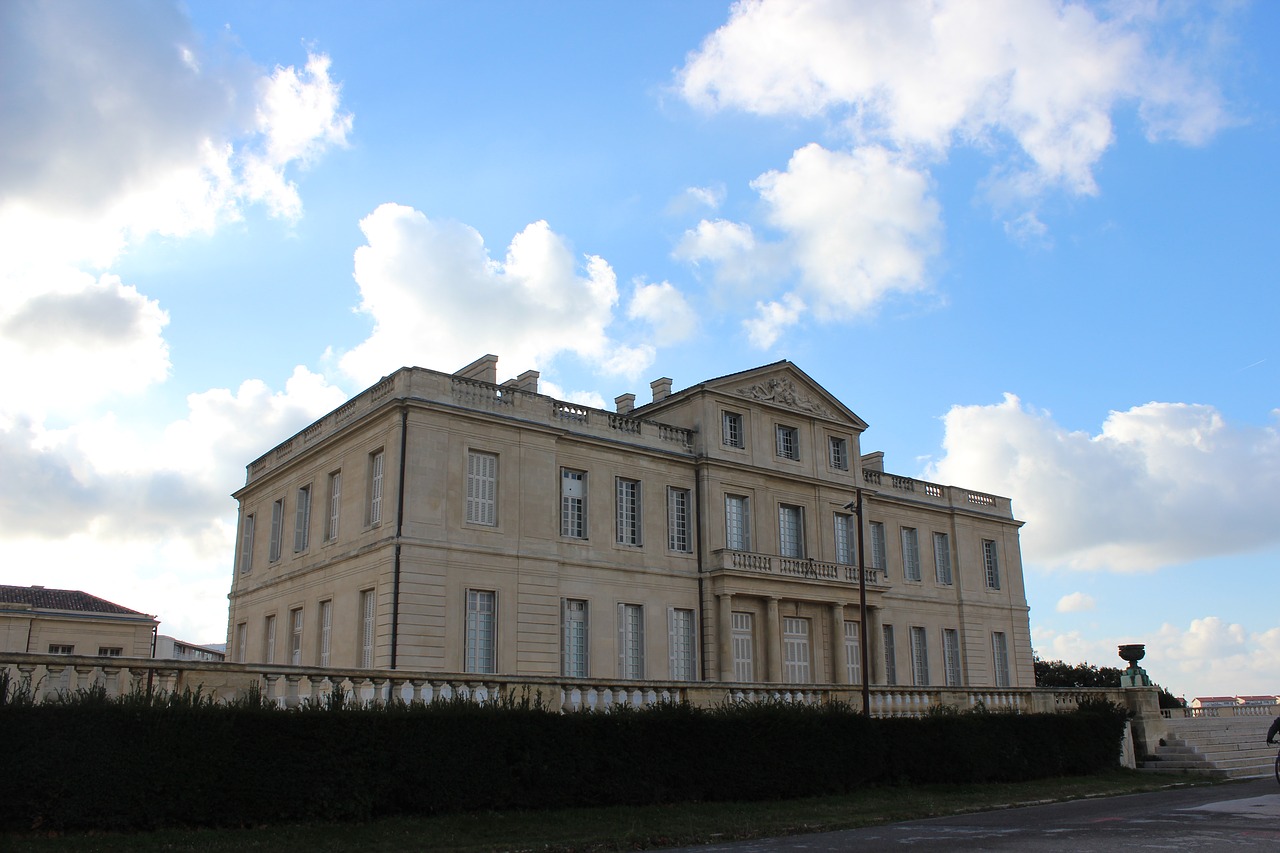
{"x": 863, "y": 651}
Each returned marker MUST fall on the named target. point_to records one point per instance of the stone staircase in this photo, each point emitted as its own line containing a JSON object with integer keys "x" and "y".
{"x": 1221, "y": 747}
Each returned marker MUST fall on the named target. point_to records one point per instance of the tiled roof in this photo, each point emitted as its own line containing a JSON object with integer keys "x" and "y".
{"x": 61, "y": 599}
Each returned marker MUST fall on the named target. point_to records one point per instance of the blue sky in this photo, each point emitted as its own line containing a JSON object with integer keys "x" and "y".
{"x": 1032, "y": 243}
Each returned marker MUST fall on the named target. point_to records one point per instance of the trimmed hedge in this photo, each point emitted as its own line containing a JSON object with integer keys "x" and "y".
{"x": 131, "y": 765}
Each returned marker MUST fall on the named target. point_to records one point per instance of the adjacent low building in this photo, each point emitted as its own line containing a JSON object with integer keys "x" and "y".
{"x": 445, "y": 522}
{"x": 37, "y": 620}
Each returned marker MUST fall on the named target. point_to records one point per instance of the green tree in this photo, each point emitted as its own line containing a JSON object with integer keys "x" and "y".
{"x": 1056, "y": 673}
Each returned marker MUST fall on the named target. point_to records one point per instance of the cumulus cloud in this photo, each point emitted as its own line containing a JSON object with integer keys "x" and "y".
{"x": 119, "y": 125}
{"x": 1138, "y": 495}
{"x": 1076, "y": 602}
{"x": 434, "y": 292}
{"x": 665, "y": 309}
{"x": 1036, "y": 78}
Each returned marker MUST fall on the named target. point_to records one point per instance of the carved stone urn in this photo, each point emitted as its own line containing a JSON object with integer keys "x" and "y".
{"x": 1131, "y": 653}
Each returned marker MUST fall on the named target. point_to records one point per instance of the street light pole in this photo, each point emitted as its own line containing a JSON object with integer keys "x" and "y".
{"x": 865, "y": 639}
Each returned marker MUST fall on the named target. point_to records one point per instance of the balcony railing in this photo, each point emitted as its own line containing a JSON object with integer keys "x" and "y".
{"x": 794, "y": 567}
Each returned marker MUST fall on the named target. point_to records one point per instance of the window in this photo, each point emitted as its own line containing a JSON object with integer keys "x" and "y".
{"x": 731, "y": 426}
{"x": 630, "y": 641}
{"x": 845, "y": 543}
{"x": 628, "y": 511}
{"x": 573, "y": 503}
{"x": 482, "y": 631}
{"x": 991, "y": 564}
{"x": 574, "y": 652}
{"x": 951, "y": 655}
{"x": 678, "y": 538}
{"x": 790, "y": 531}
{"x": 890, "y": 658}
{"x": 482, "y": 488}
{"x": 852, "y": 652}
{"x": 302, "y": 521}
{"x": 295, "y": 637}
{"x": 737, "y": 523}
{"x": 110, "y": 651}
{"x": 59, "y": 649}
{"x": 680, "y": 636}
{"x": 877, "y": 547}
{"x": 242, "y": 635}
{"x": 375, "y": 487}
{"x": 246, "y": 545}
{"x": 277, "y": 522}
{"x": 269, "y": 640}
{"x": 744, "y": 668}
{"x": 788, "y": 442}
{"x": 795, "y": 650}
{"x": 1000, "y": 659}
{"x": 919, "y": 657}
{"x": 910, "y": 554}
{"x": 366, "y": 628}
{"x": 326, "y": 631}
{"x": 335, "y": 506}
{"x": 839, "y": 449}
{"x": 942, "y": 558}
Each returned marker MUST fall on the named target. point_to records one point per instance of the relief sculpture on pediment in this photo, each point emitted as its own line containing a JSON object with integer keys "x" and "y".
{"x": 783, "y": 392}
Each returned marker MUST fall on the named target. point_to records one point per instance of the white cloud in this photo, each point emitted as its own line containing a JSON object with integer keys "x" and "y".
{"x": 1076, "y": 602}
{"x": 740, "y": 262}
{"x": 1140, "y": 494}
{"x": 1038, "y": 78}
{"x": 665, "y": 309}
{"x": 437, "y": 298}
{"x": 118, "y": 127}
{"x": 772, "y": 319}
{"x": 860, "y": 225}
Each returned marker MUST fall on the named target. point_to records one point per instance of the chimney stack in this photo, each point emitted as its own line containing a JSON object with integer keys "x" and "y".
{"x": 661, "y": 389}
{"x": 625, "y": 403}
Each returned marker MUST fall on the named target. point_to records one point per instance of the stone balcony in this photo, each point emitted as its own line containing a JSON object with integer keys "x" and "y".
{"x": 794, "y": 568}
{"x": 945, "y": 497}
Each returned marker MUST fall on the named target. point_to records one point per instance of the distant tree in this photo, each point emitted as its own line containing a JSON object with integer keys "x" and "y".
{"x": 1056, "y": 673}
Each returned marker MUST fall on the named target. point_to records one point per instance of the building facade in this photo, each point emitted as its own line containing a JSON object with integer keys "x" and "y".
{"x": 37, "y": 620}
{"x": 447, "y": 523}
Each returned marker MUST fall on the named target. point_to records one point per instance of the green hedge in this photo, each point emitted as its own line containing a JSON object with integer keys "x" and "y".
{"x": 134, "y": 765}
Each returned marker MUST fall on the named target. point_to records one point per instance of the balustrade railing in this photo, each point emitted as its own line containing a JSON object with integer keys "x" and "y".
{"x": 292, "y": 686}
{"x": 746, "y": 561}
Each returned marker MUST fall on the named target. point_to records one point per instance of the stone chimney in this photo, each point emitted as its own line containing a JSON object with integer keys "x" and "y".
{"x": 873, "y": 461}
{"x": 528, "y": 381}
{"x": 483, "y": 369}
{"x": 661, "y": 389}
{"x": 625, "y": 403}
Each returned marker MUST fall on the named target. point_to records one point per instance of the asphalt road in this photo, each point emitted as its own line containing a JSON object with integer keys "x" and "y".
{"x": 1238, "y": 816}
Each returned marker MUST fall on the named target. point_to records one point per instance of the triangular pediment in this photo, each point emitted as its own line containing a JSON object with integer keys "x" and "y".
{"x": 782, "y": 385}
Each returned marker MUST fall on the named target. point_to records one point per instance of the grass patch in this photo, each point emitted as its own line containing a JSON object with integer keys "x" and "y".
{"x": 611, "y": 828}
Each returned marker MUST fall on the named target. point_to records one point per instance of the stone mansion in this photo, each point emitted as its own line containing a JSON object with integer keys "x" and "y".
{"x": 447, "y": 523}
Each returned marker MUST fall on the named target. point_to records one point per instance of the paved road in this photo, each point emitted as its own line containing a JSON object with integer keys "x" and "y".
{"x": 1241, "y": 816}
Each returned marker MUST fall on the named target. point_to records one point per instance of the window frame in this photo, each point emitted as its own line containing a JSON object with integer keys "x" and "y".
{"x": 879, "y": 559}
{"x": 302, "y": 519}
{"x": 890, "y": 656}
{"x": 742, "y": 639}
{"x": 951, "y": 657}
{"x": 573, "y": 508}
{"x": 628, "y": 512}
{"x": 334, "y": 520}
{"x": 575, "y": 648}
{"x": 324, "y": 653}
{"x": 269, "y": 638}
{"x": 480, "y": 632}
{"x": 682, "y": 639}
{"x": 631, "y": 641}
{"x": 791, "y": 531}
{"x": 1000, "y": 658}
{"x": 679, "y": 520}
{"x": 786, "y": 440}
{"x": 846, "y": 545}
{"x": 377, "y": 470}
{"x": 732, "y": 431}
{"x": 742, "y": 525}
{"x": 797, "y": 650}
{"x": 991, "y": 563}
{"x": 942, "y": 559}
{"x": 246, "y": 542}
{"x": 296, "y": 623}
{"x": 919, "y": 641}
{"x": 482, "y": 488}
{"x": 910, "y": 537}
{"x": 838, "y": 452}
{"x": 853, "y": 651}
{"x": 368, "y": 627}
{"x": 277, "y": 531}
